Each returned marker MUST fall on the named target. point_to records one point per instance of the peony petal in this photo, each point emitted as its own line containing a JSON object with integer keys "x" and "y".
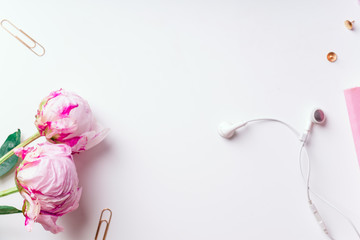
{"x": 31, "y": 210}
{"x": 97, "y": 138}
{"x": 22, "y": 152}
{"x": 49, "y": 223}
{"x": 59, "y": 129}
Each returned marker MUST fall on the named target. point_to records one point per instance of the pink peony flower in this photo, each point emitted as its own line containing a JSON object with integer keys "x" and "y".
{"x": 65, "y": 117}
{"x": 48, "y": 182}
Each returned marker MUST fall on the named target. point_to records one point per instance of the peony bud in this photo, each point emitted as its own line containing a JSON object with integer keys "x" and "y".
{"x": 65, "y": 117}
{"x": 48, "y": 182}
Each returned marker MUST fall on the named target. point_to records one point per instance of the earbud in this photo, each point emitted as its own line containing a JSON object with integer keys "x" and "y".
{"x": 317, "y": 117}
{"x": 227, "y": 130}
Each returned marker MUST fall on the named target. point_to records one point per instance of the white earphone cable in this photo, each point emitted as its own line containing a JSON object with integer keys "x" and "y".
{"x": 308, "y": 190}
{"x": 307, "y": 178}
{"x": 278, "y": 121}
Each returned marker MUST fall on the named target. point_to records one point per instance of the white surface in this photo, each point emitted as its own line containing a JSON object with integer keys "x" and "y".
{"x": 162, "y": 75}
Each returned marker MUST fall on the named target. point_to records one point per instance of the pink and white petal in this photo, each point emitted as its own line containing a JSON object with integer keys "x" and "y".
{"x": 61, "y": 127}
{"x": 95, "y": 138}
{"x": 32, "y": 210}
{"x": 77, "y": 144}
{"x": 22, "y": 152}
{"x": 28, "y": 224}
{"x": 49, "y": 223}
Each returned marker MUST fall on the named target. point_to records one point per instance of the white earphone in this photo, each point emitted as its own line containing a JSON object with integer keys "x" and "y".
{"x": 317, "y": 117}
{"x": 227, "y": 130}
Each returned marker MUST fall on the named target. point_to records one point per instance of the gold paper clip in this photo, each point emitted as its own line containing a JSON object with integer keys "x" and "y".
{"x": 29, "y": 39}
{"x": 107, "y": 222}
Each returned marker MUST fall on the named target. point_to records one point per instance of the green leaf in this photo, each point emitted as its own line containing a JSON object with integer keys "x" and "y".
{"x": 9, "y": 210}
{"x": 12, "y": 141}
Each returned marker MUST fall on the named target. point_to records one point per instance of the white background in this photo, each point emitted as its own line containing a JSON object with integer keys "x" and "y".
{"x": 162, "y": 75}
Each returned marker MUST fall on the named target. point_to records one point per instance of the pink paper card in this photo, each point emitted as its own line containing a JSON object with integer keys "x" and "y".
{"x": 352, "y": 98}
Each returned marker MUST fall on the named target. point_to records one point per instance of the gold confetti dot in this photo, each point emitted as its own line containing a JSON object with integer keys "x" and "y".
{"x": 331, "y": 57}
{"x": 349, "y": 25}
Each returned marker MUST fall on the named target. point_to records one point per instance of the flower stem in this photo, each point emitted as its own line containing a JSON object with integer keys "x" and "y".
{"x": 23, "y": 144}
{"x": 8, "y": 191}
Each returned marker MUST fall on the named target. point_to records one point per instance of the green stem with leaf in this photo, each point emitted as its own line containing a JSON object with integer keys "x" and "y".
{"x": 8, "y": 209}
{"x": 23, "y": 144}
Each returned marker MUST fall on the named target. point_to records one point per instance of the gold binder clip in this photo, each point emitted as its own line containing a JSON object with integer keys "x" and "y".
{"x": 35, "y": 44}
{"x": 107, "y": 222}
